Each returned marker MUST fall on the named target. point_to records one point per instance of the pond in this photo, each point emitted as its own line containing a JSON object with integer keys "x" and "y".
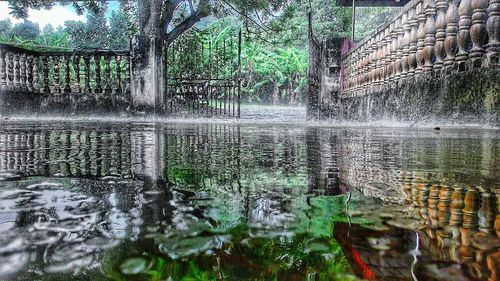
{"x": 247, "y": 201}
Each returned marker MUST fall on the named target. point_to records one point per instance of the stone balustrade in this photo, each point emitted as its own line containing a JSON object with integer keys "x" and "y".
{"x": 427, "y": 38}
{"x": 85, "y": 72}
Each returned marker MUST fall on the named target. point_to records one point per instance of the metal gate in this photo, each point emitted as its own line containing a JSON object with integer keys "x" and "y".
{"x": 203, "y": 74}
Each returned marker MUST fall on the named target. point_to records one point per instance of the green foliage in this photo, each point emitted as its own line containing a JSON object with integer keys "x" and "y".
{"x": 119, "y": 35}
{"x": 243, "y": 258}
{"x": 26, "y": 30}
{"x": 94, "y": 33}
{"x": 91, "y": 34}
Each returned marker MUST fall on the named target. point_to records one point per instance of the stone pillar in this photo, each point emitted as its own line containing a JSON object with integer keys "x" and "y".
{"x": 478, "y": 33}
{"x": 147, "y": 66}
{"x": 440, "y": 24}
{"x": 451, "y": 43}
{"x": 412, "y": 49}
{"x": 463, "y": 35}
{"x": 493, "y": 28}
{"x": 148, "y": 152}
{"x": 430, "y": 32}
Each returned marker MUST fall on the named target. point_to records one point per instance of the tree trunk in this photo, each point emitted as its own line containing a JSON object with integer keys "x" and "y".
{"x": 150, "y": 12}
{"x": 313, "y": 73}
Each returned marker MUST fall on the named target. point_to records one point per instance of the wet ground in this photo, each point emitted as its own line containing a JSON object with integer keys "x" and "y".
{"x": 88, "y": 200}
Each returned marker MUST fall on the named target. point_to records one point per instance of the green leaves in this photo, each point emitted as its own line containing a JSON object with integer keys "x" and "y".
{"x": 134, "y": 266}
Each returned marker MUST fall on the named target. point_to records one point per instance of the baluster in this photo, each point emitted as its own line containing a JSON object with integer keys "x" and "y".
{"x": 46, "y": 87}
{"x": 29, "y": 73}
{"x": 394, "y": 47}
{"x": 67, "y": 80}
{"x": 359, "y": 69}
{"x": 439, "y": 51}
{"x": 17, "y": 71}
{"x": 354, "y": 72}
{"x": 368, "y": 65}
{"x": 387, "y": 67}
{"x": 371, "y": 64}
{"x": 406, "y": 45}
{"x": 368, "y": 51}
{"x": 430, "y": 31}
{"x": 493, "y": 28}
{"x": 379, "y": 58}
{"x": 419, "y": 55}
{"x": 351, "y": 67}
{"x": 399, "y": 44}
{"x": 450, "y": 43}
{"x": 352, "y": 64}
{"x": 463, "y": 36}
{"x": 3, "y": 70}
{"x": 87, "y": 89}
{"x": 57, "y": 74}
{"x": 478, "y": 32}
{"x": 97, "y": 61}
{"x": 412, "y": 49}
{"x": 10, "y": 70}
{"x": 76, "y": 65}
{"x": 381, "y": 55}
{"x": 364, "y": 68}
{"x": 36, "y": 88}
{"x": 107, "y": 61}
{"x": 127, "y": 76}
{"x": 22, "y": 68}
{"x": 118, "y": 89}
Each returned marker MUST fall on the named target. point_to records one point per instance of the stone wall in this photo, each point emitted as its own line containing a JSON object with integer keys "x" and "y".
{"x": 471, "y": 96}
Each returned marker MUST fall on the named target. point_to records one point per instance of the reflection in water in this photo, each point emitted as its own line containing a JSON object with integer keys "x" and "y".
{"x": 223, "y": 201}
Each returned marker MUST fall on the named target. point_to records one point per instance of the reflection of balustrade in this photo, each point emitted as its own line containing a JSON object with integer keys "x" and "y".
{"x": 100, "y": 72}
{"x": 462, "y": 228}
{"x": 76, "y": 153}
{"x": 462, "y": 224}
{"x": 426, "y": 36}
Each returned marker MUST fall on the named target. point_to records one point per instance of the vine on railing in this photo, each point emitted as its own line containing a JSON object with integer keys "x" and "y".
{"x": 426, "y": 37}
{"x": 96, "y": 72}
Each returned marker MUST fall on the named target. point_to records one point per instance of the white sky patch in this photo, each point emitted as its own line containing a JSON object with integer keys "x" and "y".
{"x": 55, "y": 16}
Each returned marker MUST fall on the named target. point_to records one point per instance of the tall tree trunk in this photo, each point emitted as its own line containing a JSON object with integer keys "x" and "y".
{"x": 150, "y": 16}
{"x": 313, "y": 73}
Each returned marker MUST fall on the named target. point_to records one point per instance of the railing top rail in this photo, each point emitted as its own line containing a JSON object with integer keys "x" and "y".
{"x": 12, "y": 48}
{"x": 88, "y": 52}
{"x": 385, "y": 25}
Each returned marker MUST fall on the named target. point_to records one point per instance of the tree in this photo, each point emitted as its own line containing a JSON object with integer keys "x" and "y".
{"x": 76, "y": 31}
{"x": 166, "y": 19}
{"x": 94, "y": 33}
{"x": 26, "y": 30}
{"x": 5, "y": 28}
{"x": 119, "y": 32}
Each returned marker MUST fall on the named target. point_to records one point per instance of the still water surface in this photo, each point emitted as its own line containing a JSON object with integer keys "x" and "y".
{"x": 208, "y": 201}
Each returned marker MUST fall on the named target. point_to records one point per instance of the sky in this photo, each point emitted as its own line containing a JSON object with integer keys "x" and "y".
{"x": 55, "y": 16}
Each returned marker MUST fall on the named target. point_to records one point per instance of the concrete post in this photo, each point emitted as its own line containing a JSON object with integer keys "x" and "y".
{"x": 147, "y": 63}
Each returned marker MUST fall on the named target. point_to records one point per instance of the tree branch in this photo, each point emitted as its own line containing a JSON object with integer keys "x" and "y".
{"x": 183, "y": 27}
{"x": 168, "y": 12}
{"x": 191, "y": 7}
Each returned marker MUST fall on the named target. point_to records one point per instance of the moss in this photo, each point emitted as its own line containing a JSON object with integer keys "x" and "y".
{"x": 470, "y": 96}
